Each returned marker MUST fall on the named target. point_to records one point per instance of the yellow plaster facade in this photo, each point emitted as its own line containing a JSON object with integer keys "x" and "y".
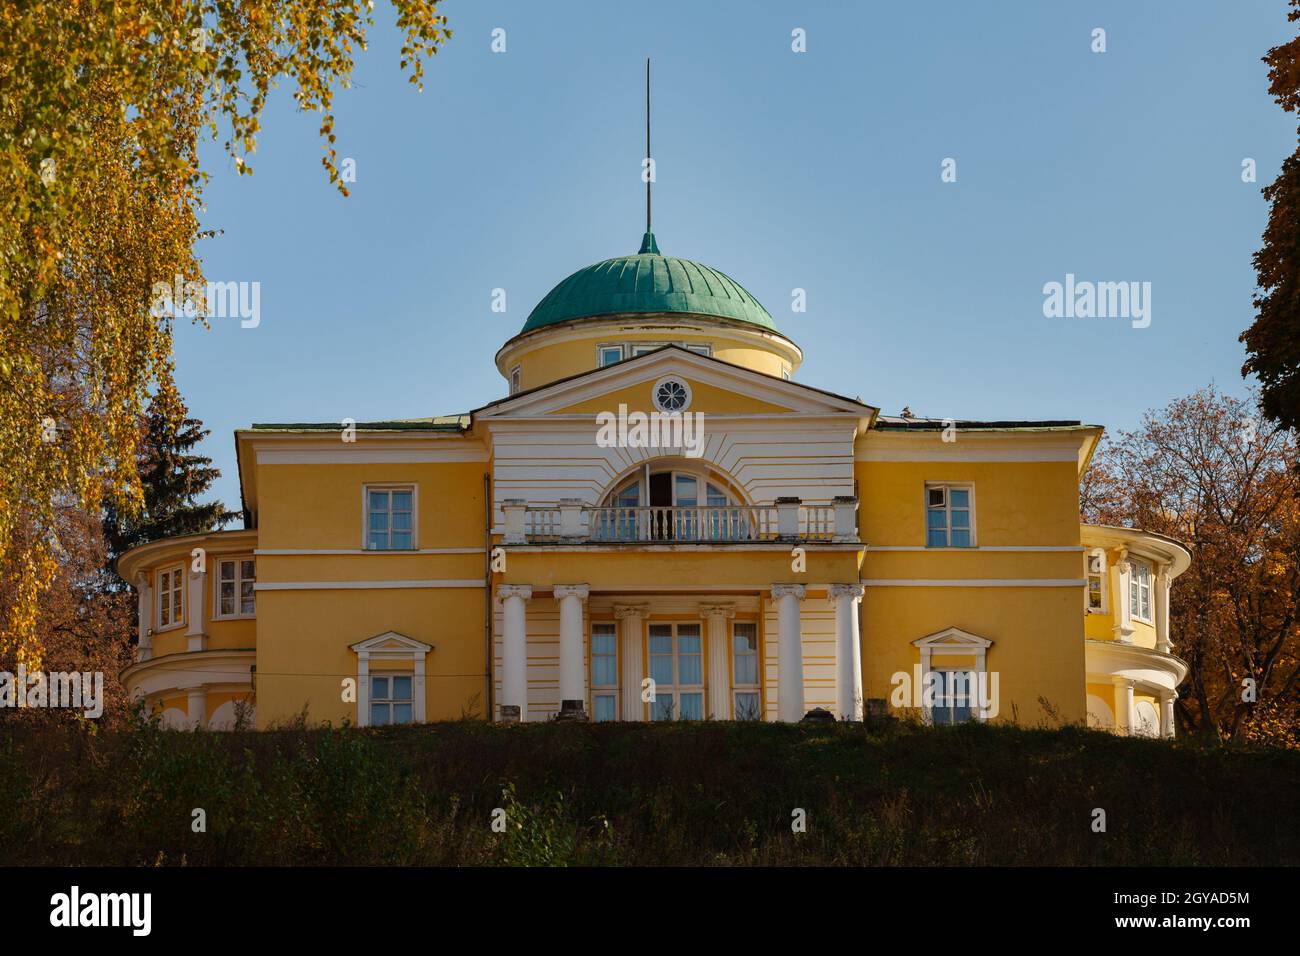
{"x": 738, "y": 546}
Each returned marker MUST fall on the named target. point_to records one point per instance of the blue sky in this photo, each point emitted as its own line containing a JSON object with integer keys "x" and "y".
{"x": 818, "y": 170}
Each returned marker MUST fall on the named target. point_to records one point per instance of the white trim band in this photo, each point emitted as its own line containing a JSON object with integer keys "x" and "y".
{"x": 975, "y": 583}
{"x": 364, "y": 585}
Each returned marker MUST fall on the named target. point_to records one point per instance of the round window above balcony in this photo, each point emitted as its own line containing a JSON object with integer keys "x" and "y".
{"x": 672, "y": 395}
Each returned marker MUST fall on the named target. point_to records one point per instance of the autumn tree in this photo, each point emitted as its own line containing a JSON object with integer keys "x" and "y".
{"x": 1273, "y": 341}
{"x": 1210, "y": 471}
{"x": 102, "y": 108}
{"x": 82, "y": 625}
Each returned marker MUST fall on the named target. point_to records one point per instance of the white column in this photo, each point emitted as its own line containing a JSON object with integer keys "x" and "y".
{"x": 848, "y": 650}
{"x": 716, "y": 617}
{"x": 631, "y": 630}
{"x": 1123, "y": 627}
{"x": 419, "y": 709}
{"x": 363, "y": 688}
{"x": 1167, "y": 713}
{"x": 789, "y": 657}
{"x": 1123, "y": 705}
{"x": 514, "y": 650}
{"x": 573, "y": 683}
{"x": 197, "y": 707}
{"x": 196, "y": 634}
{"x": 144, "y": 606}
{"x": 1162, "y": 609}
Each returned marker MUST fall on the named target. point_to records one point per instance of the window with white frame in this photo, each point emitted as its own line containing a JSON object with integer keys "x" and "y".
{"x": 236, "y": 583}
{"x": 390, "y": 699}
{"x": 744, "y": 671}
{"x": 516, "y": 376}
{"x": 949, "y": 515}
{"x": 1139, "y": 591}
{"x": 390, "y": 518}
{"x": 609, "y": 354}
{"x": 171, "y": 597}
{"x": 1096, "y": 581}
{"x": 641, "y": 348}
{"x": 604, "y": 672}
{"x": 676, "y": 666}
{"x": 699, "y": 348}
{"x": 954, "y": 690}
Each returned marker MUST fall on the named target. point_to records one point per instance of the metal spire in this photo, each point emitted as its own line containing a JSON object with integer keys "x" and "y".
{"x": 648, "y": 244}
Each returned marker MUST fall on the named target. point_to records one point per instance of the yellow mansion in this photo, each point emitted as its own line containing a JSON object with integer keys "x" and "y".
{"x": 659, "y": 522}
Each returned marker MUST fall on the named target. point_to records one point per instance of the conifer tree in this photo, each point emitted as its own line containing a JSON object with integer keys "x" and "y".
{"x": 173, "y": 480}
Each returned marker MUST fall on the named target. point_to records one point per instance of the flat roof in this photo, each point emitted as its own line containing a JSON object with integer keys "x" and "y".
{"x": 898, "y": 423}
{"x": 447, "y": 423}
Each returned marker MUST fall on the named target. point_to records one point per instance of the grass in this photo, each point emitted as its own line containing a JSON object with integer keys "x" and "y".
{"x": 641, "y": 794}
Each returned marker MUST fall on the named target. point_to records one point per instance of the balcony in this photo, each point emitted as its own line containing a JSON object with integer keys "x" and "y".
{"x": 788, "y": 520}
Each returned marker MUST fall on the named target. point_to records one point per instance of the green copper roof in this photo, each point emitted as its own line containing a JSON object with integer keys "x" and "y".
{"x": 648, "y": 282}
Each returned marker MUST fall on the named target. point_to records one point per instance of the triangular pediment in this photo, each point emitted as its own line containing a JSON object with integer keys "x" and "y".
{"x": 716, "y": 388}
{"x": 392, "y": 643}
{"x": 953, "y": 639}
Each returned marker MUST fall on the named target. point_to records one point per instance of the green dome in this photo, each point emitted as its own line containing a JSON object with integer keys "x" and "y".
{"x": 648, "y": 282}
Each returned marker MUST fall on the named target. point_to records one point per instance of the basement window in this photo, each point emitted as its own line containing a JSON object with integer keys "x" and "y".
{"x": 390, "y": 700}
{"x": 954, "y": 692}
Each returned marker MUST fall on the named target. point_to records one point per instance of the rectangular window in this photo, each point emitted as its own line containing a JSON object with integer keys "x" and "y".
{"x": 645, "y": 347}
{"x": 676, "y": 666}
{"x": 516, "y": 375}
{"x": 171, "y": 597}
{"x": 390, "y": 518}
{"x": 236, "y": 578}
{"x": 954, "y": 691}
{"x": 1096, "y": 581}
{"x": 604, "y": 672}
{"x": 744, "y": 670}
{"x": 609, "y": 354}
{"x": 698, "y": 349}
{"x": 1139, "y": 591}
{"x": 390, "y": 700}
{"x": 949, "y": 516}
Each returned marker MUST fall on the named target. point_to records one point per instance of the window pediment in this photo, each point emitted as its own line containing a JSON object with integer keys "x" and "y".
{"x": 953, "y": 640}
{"x": 390, "y": 643}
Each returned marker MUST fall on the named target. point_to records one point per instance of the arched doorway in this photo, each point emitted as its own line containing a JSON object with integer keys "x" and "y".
{"x": 673, "y": 500}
